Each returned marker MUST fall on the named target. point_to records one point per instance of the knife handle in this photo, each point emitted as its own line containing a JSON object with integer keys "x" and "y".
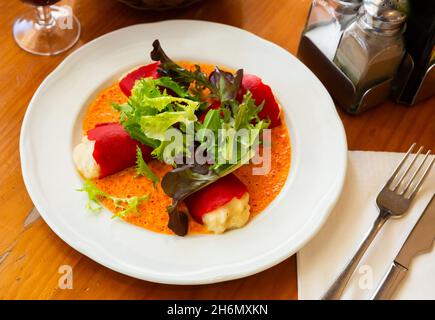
{"x": 391, "y": 281}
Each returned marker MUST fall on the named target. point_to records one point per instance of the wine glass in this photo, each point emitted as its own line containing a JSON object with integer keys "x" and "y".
{"x": 46, "y": 29}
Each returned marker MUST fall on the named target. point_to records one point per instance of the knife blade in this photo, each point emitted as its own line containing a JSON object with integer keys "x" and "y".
{"x": 421, "y": 238}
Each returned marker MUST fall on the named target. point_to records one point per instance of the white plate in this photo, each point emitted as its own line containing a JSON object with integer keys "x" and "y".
{"x": 52, "y": 126}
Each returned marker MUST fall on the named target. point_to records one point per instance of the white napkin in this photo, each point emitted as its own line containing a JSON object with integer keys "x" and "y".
{"x": 322, "y": 259}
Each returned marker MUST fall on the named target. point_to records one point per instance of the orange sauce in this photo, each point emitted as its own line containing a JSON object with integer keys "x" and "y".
{"x": 101, "y": 110}
{"x": 152, "y": 213}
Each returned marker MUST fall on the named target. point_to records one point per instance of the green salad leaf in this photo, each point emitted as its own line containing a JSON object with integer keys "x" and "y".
{"x": 130, "y": 119}
{"x": 223, "y": 85}
{"x": 236, "y": 128}
{"x": 173, "y": 102}
{"x": 177, "y": 73}
{"x": 143, "y": 170}
{"x": 246, "y": 113}
{"x": 149, "y": 112}
{"x": 228, "y": 155}
{"x": 128, "y": 205}
{"x": 157, "y": 125}
{"x": 147, "y": 100}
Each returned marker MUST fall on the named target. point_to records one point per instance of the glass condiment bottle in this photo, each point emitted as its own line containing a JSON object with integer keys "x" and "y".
{"x": 326, "y": 22}
{"x": 372, "y": 47}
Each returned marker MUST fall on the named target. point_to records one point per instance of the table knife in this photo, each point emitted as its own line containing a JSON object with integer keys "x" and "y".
{"x": 420, "y": 240}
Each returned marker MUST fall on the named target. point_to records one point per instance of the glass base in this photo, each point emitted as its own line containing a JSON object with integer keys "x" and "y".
{"x": 55, "y": 36}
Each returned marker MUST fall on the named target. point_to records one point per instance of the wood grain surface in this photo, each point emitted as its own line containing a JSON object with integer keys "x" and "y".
{"x": 31, "y": 254}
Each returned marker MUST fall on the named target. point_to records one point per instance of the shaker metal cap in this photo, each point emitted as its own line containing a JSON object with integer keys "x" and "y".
{"x": 383, "y": 16}
{"x": 374, "y": 7}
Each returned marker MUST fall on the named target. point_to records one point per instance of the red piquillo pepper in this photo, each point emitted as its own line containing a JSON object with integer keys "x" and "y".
{"x": 214, "y": 196}
{"x": 114, "y": 149}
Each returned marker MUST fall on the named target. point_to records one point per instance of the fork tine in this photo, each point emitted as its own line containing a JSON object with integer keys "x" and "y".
{"x": 396, "y": 171}
{"x": 408, "y": 168}
{"x": 423, "y": 177}
{"x": 416, "y": 172}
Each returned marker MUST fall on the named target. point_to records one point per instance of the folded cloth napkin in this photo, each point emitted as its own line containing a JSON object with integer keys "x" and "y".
{"x": 325, "y": 256}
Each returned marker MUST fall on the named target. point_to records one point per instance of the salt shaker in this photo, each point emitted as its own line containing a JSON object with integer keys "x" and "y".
{"x": 326, "y": 22}
{"x": 372, "y": 47}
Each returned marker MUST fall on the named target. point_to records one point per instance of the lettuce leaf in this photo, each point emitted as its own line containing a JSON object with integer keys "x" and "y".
{"x": 156, "y": 126}
{"x": 179, "y": 74}
{"x": 142, "y": 168}
{"x": 128, "y": 205}
{"x": 188, "y": 179}
{"x": 149, "y": 113}
{"x": 223, "y": 85}
{"x": 130, "y": 115}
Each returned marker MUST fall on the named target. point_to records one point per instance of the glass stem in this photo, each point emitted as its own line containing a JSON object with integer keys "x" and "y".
{"x": 44, "y": 19}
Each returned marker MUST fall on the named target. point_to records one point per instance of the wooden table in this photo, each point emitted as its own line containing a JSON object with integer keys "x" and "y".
{"x": 31, "y": 254}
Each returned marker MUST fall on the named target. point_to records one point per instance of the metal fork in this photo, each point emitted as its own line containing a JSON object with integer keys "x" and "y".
{"x": 393, "y": 201}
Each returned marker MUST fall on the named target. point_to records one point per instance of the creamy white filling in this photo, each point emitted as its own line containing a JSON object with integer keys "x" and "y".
{"x": 84, "y": 159}
{"x": 233, "y": 215}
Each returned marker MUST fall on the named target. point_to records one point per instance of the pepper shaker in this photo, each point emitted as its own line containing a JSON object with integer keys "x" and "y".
{"x": 372, "y": 47}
